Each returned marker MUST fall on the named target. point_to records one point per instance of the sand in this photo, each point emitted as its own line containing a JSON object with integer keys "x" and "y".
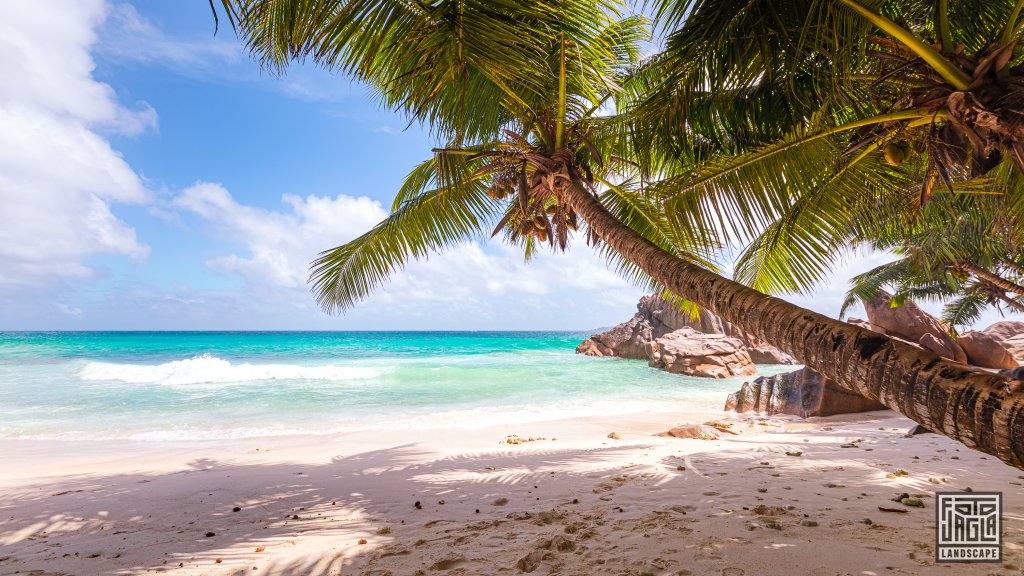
{"x": 575, "y": 502}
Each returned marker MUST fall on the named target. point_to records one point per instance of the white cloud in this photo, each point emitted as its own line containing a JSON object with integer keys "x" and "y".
{"x": 128, "y": 36}
{"x": 473, "y": 285}
{"x": 58, "y": 176}
{"x": 279, "y": 244}
{"x": 473, "y": 278}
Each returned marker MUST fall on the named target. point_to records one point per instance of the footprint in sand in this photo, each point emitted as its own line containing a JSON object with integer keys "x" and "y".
{"x": 448, "y": 563}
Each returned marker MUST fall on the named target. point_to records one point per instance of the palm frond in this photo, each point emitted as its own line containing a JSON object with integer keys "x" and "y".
{"x": 429, "y": 222}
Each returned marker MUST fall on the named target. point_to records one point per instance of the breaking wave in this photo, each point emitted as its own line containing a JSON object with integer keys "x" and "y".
{"x": 208, "y": 369}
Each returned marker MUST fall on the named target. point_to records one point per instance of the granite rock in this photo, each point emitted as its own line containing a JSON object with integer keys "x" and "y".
{"x": 802, "y": 393}
{"x": 985, "y": 351}
{"x": 910, "y": 323}
{"x": 693, "y": 353}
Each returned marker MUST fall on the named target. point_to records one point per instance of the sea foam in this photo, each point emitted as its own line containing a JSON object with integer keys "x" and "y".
{"x": 208, "y": 369}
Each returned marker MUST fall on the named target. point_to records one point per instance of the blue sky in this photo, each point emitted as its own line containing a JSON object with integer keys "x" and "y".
{"x": 155, "y": 178}
{"x": 163, "y": 181}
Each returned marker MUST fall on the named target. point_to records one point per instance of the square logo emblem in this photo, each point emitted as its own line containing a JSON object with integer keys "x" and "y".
{"x": 968, "y": 527}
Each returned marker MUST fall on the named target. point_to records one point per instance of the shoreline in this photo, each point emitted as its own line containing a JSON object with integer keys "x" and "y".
{"x": 738, "y": 505}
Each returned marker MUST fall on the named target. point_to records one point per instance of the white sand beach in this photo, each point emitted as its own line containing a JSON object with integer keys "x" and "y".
{"x": 575, "y": 502}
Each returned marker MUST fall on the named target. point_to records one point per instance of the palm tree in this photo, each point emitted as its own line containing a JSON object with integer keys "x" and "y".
{"x": 960, "y": 250}
{"x": 514, "y": 89}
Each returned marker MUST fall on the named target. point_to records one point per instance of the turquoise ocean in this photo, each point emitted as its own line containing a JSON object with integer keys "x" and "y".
{"x": 156, "y": 386}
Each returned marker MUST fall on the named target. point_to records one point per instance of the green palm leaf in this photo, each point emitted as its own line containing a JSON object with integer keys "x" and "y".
{"x": 429, "y": 222}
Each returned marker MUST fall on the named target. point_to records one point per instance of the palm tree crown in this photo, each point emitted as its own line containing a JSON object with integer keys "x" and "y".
{"x": 804, "y": 122}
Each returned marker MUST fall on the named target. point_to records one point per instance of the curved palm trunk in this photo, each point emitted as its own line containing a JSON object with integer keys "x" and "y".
{"x": 993, "y": 279}
{"x": 977, "y": 408}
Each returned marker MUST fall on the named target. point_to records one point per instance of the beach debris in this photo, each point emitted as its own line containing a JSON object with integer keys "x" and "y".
{"x": 681, "y": 468}
{"x": 809, "y": 523}
{"x": 762, "y": 490}
{"x": 477, "y": 510}
{"x": 897, "y": 474}
{"x": 721, "y": 426}
{"x": 261, "y": 548}
{"x": 218, "y": 560}
{"x": 849, "y": 445}
{"x": 795, "y": 453}
{"x": 867, "y": 521}
{"x": 915, "y": 502}
{"x": 517, "y": 439}
{"x": 211, "y": 534}
{"x": 575, "y": 500}
{"x": 614, "y": 436}
{"x": 692, "y": 431}
{"x": 896, "y": 510}
{"x": 383, "y": 531}
{"x": 762, "y": 510}
{"x": 418, "y": 505}
{"x": 440, "y": 502}
{"x": 236, "y": 509}
{"x": 500, "y": 501}
{"x": 362, "y": 540}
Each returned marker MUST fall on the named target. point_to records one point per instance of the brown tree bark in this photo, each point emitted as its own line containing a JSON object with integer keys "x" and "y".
{"x": 992, "y": 278}
{"x": 982, "y": 410}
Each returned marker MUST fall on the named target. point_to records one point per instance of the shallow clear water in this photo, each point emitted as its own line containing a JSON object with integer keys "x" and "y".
{"x": 195, "y": 385}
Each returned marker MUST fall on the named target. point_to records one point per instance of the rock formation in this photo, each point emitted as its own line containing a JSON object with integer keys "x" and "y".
{"x": 708, "y": 346}
{"x": 655, "y": 318}
{"x": 984, "y": 350}
{"x": 695, "y": 431}
{"x": 687, "y": 351}
{"x": 865, "y": 325}
{"x": 769, "y": 355}
{"x": 802, "y": 393}
{"x": 910, "y": 323}
{"x": 1010, "y": 335}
